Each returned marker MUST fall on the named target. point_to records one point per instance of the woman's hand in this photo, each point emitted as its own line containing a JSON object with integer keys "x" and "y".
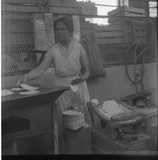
{"x": 23, "y": 79}
{"x": 76, "y": 81}
{"x": 81, "y": 78}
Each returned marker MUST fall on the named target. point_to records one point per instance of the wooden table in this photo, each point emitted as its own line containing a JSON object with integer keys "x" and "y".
{"x": 13, "y": 103}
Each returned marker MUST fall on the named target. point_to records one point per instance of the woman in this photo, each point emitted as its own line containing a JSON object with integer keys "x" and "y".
{"x": 69, "y": 59}
{"x": 68, "y": 55}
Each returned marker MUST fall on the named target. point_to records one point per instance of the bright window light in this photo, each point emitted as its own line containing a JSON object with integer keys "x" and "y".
{"x": 153, "y": 9}
{"x": 102, "y": 10}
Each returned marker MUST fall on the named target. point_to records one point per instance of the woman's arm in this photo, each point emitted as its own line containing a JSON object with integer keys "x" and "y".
{"x": 84, "y": 64}
{"x": 39, "y": 69}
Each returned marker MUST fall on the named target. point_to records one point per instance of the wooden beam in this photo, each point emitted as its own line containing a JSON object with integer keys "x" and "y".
{"x": 111, "y": 27}
{"x": 110, "y": 41}
{"x": 63, "y": 10}
{"x": 108, "y": 34}
{"x": 23, "y": 9}
{"x": 16, "y": 16}
{"x": 35, "y": 9}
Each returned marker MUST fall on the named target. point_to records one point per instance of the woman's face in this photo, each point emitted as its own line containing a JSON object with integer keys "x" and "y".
{"x": 62, "y": 34}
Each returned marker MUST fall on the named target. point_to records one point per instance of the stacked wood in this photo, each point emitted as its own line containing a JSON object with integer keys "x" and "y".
{"x": 117, "y": 15}
{"x": 88, "y": 8}
{"x": 107, "y": 34}
{"x": 132, "y": 22}
{"x": 110, "y": 34}
{"x": 121, "y": 28}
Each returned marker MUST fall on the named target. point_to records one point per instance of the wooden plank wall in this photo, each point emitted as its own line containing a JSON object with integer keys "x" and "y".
{"x": 18, "y": 37}
{"x": 17, "y": 29}
{"x": 110, "y": 40}
{"x": 114, "y": 39}
{"x": 17, "y": 25}
{"x": 17, "y": 20}
{"x": 110, "y": 34}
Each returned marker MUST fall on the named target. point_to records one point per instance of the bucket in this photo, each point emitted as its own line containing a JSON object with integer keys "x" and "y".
{"x": 73, "y": 119}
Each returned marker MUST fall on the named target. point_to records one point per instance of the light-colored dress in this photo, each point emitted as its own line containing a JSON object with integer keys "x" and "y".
{"x": 70, "y": 68}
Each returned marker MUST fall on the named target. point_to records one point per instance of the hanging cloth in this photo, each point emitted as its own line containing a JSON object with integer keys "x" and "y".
{"x": 43, "y": 31}
{"x": 49, "y": 28}
{"x": 76, "y": 25}
{"x": 96, "y": 63}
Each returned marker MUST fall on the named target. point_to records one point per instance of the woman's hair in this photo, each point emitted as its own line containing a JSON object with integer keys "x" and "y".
{"x": 67, "y": 20}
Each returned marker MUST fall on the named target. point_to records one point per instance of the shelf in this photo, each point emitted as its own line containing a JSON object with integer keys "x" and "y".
{"x": 23, "y": 134}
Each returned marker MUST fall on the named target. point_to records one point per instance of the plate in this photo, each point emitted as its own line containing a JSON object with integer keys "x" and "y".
{"x": 28, "y": 87}
{"x": 6, "y": 92}
{"x": 29, "y": 92}
{"x": 17, "y": 89}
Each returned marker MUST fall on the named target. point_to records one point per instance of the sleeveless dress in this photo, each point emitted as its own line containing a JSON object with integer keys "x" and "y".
{"x": 69, "y": 67}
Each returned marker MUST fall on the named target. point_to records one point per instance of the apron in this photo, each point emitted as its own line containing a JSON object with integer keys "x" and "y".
{"x": 69, "y": 67}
